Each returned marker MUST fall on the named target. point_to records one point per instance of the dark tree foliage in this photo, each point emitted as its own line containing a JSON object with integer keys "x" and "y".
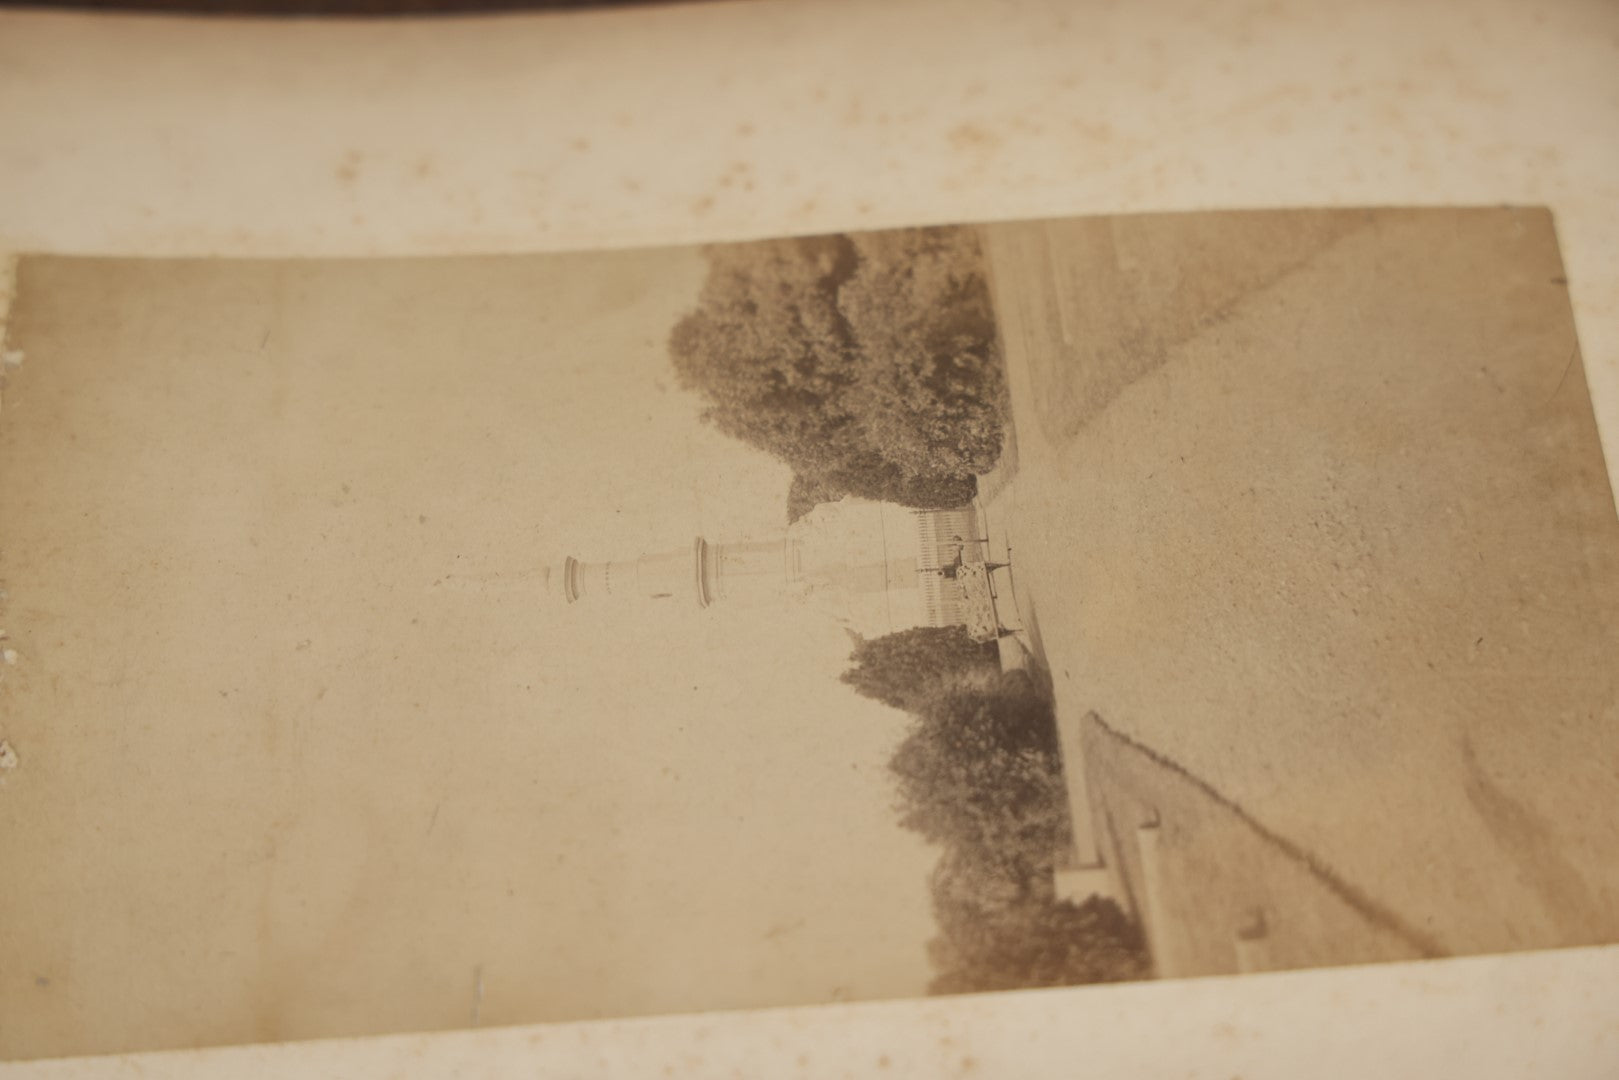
{"x": 979, "y": 774}
{"x": 907, "y": 668}
{"x": 1001, "y": 932}
{"x": 805, "y": 494}
{"x": 919, "y": 306}
{"x": 869, "y": 363}
{"x": 979, "y": 771}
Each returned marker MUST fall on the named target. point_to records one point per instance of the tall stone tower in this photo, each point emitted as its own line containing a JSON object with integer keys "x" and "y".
{"x": 874, "y": 567}
{"x": 705, "y": 572}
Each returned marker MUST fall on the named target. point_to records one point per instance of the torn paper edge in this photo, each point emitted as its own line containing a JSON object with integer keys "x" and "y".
{"x": 9, "y": 358}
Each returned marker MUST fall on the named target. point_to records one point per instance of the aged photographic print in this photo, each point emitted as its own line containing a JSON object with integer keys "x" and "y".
{"x": 414, "y": 644}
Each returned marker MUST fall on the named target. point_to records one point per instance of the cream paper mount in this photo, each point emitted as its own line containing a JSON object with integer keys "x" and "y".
{"x": 342, "y": 187}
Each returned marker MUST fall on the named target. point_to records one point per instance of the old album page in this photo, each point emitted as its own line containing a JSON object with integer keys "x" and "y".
{"x": 846, "y": 613}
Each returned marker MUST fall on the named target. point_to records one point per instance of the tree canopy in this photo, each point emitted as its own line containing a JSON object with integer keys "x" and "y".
{"x": 868, "y": 362}
{"x": 999, "y": 933}
{"x": 907, "y": 668}
{"x": 979, "y": 774}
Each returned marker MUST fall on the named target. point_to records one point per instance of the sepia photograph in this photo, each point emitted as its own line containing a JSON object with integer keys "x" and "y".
{"x": 415, "y": 644}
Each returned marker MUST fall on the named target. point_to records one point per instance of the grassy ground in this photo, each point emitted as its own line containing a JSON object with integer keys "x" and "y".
{"x": 1310, "y": 512}
{"x": 1219, "y": 874}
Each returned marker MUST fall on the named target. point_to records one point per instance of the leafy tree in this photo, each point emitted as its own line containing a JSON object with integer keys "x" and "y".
{"x": 868, "y": 363}
{"x": 904, "y": 669}
{"x": 980, "y": 771}
{"x": 806, "y": 493}
{"x": 919, "y": 305}
{"x": 767, "y": 345}
{"x": 1003, "y": 932}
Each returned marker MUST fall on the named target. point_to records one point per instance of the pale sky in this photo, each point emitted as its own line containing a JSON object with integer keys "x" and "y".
{"x": 313, "y": 752}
